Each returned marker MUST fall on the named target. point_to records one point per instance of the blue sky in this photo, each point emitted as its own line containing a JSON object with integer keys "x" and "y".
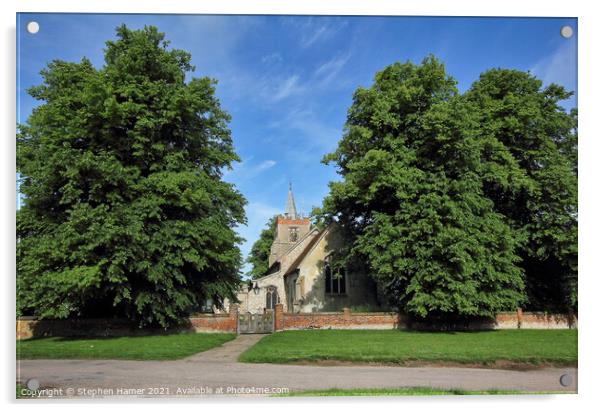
{"x": 287, "y": 81}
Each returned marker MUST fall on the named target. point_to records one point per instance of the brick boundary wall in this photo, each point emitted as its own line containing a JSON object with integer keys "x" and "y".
{"x": 339, "y": 320}
{"x": 213, "y": 322}
{"x": 28, "y": 327}
{"x": 387, "y": 320}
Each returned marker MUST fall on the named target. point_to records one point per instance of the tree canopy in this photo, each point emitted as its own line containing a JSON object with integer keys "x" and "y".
{"x": 442, "y": 196}
{"x": 260, "y": 251}
{"x": 528, "y": 126}
{"x": 125, "y": 211}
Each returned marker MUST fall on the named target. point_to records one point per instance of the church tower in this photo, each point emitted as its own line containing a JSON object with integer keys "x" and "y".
{"x": 290, "y": 228}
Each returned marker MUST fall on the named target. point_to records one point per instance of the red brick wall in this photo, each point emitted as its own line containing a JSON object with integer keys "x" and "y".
{"x": 32, "y": 327}
{"x": 213, "y": 323}
{"x": 284, "y": 221}
{"x": 540, "y": 320}
{"x": 385, "y": 320}
{"x": 279, "y": 316}
{"x": 339, "y": 320}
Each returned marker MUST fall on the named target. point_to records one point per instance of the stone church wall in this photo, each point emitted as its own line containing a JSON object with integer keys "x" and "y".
{"x": 360, "y": 290}
{"x": 256, "y": 302}
{"x": 282, "y": 241}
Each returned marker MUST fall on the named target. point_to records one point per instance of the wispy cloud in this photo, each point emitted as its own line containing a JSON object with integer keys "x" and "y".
{"x": 274, "y": 88}
{"x": 314, "y": 30}
{"x": 246, "y": 169}
{"x": 286, "y": 88}
{"x": 559, "y": 67}
{"x": 328, "y": 71}
{"x": 265, "y": 165}
{"x": 318, "y": 136}
{"x": 310, "y": 38}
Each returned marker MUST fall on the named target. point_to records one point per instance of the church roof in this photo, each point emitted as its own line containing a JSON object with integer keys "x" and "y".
{"x": 304, "y": 253}
{"x": 290, "y": 210}
{"x": 316, "y": 233}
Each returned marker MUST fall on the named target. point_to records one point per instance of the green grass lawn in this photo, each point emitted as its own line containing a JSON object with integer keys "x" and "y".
{"x": 393, "y": 346}
{"x": 417, "y": 391}
{"x": 19, "y": 391}
{"x": 156, "y": 347}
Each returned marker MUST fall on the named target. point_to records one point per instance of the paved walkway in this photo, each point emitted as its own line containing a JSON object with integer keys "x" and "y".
{"x": 228, "y": 352}
{"x": 217, "y": 372}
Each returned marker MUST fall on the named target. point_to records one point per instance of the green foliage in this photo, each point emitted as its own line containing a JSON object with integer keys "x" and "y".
{"x": 260, "y": 252}
{"x": 528, "y": 126}
{"x": 125, "y": 212}
{"x": 430, "y": 183}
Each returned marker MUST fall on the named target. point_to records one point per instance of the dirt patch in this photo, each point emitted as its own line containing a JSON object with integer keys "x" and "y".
{"x": 499, "y": 364}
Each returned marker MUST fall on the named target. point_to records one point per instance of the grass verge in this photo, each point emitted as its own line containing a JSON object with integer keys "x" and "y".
{"x": 504, "y": 348}
{"x": 156, "y": 347}
{"x": 20, "y": 389}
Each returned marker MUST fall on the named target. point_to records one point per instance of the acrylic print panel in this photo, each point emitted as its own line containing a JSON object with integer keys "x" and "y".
{"x": 210, "y": 194}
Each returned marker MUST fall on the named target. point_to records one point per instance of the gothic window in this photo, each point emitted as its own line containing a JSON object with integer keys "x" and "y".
{"x": 271, "y": 298}
{"x": 293, "y": 234}
{"x": 335, "y": 282}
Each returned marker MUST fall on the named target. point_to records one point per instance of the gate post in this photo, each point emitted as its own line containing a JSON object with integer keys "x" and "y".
{"x": 233, "y": 314}
{"x": 278, "y": 316}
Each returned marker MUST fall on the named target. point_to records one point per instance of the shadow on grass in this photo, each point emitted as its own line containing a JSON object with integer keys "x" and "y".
{"x": 107, "y": 338}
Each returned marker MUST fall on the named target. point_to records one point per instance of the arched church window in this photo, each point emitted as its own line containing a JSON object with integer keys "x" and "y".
{"x": 271, "y": 298}
{"x": 335, "y": 281}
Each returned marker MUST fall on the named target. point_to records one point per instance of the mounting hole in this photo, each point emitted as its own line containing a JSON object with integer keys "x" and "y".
{"x": 566, "y": 379}
{"x": 566, "y": 32}
{"x": 33, "y": 27}
{"x": 32, "y": 384}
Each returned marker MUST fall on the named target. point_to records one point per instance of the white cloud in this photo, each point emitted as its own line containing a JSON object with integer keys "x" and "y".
{"x": 316, "y": 30}
{"x": 327, "y": 71}
{"x": 316, "y": 133}
{"x": 311, "y": 38}
{"x": 265, "y": 165}
{"x": 560, "y": 67}
{"x": 245, "y": 170}
{"x": 288, "y": 87}
{"x": 275, "y": 88}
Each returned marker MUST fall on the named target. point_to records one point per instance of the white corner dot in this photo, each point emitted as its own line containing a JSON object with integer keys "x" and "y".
{"x": 566, "y": 31}
{"x": 33, "y": 27}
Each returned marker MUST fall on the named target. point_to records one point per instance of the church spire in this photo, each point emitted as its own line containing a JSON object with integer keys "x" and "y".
{"x": 290, "y": 210}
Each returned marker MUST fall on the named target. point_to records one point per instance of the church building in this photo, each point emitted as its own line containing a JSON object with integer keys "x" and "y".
{"x": 300, "y": 276}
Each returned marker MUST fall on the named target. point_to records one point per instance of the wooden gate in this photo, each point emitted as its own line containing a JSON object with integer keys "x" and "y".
{"x": 256, "y": 322}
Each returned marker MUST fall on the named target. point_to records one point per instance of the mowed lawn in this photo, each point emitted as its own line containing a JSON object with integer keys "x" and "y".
{"x": 393, "y": 346}
{"x": 156, "y": 347}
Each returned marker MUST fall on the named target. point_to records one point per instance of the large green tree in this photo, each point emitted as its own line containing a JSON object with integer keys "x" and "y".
{"x": 427, "y": 174}
{"x": 125, "y": 211}
{"x": 528, "y": 125}
{"x": 260, "y": 251}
